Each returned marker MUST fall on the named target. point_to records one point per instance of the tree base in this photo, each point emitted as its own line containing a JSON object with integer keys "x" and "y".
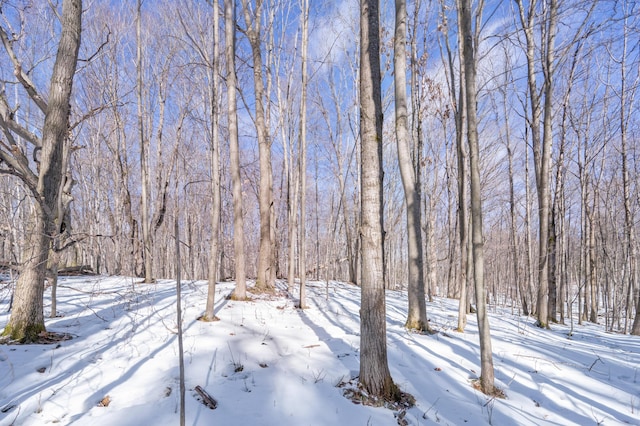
{"x": 394, "y": 398}
{"x": 30, "y": 336}
{"x": 234, "y": 296}
{"x": 420, "y": 327}
{"x": 205, "y": 318}
{"x": 494, "y": 392}
{"x": 541, "y": 324}
{"x": 263, "y": 289}
{"x": 23, "y": 333}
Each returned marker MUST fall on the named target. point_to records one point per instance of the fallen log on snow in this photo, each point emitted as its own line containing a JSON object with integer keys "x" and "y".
{"x": 207, "y": 399}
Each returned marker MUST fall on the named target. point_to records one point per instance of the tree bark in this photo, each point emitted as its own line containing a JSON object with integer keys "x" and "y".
{"x": 240, "y": 291}
{"x": 374, "y": 369}
{"x": 512, "y": 217}
{"x": 486, "y": 357}
{"x": 265, "y": 278}
{"x": 209, "y": 314}
{"x": 417, "y": 311}
{"x": 302, "y": 252}
{"x": 27, "y": 311}
{"x": 542, "y": 144}
{"x": 458, "y": 100}
{"x": 144, "y": 149}
{"x": 629, "y": 219}
{"x": 27, "y": 316}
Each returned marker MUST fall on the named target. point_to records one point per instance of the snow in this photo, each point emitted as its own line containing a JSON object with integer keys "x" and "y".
{"x": 267, "y": 363}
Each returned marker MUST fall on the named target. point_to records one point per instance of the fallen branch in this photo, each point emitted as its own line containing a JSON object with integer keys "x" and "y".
{"x": 207, "y": 399}
{"x": 595, "y": 362}
{"x": 76, "y": 270}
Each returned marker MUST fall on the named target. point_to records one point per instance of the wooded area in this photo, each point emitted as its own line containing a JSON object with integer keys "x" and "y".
{"x": 483, "y": 151}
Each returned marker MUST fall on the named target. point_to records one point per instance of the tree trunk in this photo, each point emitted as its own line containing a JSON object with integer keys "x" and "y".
{"x": 543, "y": 170}
{"x": 144, "y": 149}
{"x": 593, "y": 282}
{"x": 27, "y": 316}
{"x": 51, "y": 274}
{"x": 240, "y": 291}
{"x": 209, "y": 314}
{"x": 264, "y": 280}
{"x": 292, "y": 206}
{"x": 486, "y": 357}
{"x": 512, "y": 218}
{"x": 527, "y": 235}
{"x": 302, "y": 252}
{"x": 417, "y": 311}
{"x": 458, "y": 98}
{"x": 374, "y": 369}
{"x": 542, "y": 144}
{"x": 629, "y": 219}
{"x": 553, "y": 286}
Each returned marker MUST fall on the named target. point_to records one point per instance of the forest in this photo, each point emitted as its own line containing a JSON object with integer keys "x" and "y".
{"x": 482, "y": 151}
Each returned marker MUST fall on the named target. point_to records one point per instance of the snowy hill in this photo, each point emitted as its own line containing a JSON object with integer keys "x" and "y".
{"x": 267, "y": 363}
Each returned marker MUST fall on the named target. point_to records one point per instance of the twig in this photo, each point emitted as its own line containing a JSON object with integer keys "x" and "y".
{"x": 594, "y": 362}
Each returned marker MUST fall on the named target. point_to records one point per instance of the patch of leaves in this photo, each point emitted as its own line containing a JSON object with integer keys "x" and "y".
{"x": 399, "y": 402}
{"x": 44, "y": 338}
{"x": 232, "y": 296}
{"x": 49, "y": 337}
{"x": 495, "y": 393}
{"x": 104, "y": 402}
{"x": 205, "y": 318}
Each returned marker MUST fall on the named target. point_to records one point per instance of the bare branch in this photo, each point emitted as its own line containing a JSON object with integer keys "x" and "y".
{"x": 18, "y": 164}
{"x": 93, "y": 112}
{"x": 22, "y": 77}
{"x": 8, "y": 123}
{"x": 99, "y": 49}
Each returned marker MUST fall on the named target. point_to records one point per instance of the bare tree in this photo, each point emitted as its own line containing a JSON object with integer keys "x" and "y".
{"x": 626, "y": 94}
{"x": 541, "y": 113}
{"x": 469, "y": 55}
{"x": 513, "y": 234}
{"x": 240, "y": 291}
{"x": 417, "y": 312}
{"x": 374, "y": 369}
{"x": 209, "y": 314}
{"x": 462, "y": 156}
{"x": 47, "y": 185}
{"x": 144, "y": 149}
{"x": 266, "y": 258}
{"x": 303, "y": 153}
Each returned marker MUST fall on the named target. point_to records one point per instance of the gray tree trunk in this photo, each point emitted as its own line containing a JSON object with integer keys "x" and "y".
{"x": 512, "y": 212}
{"x": 240, "y": 291}
{"x": 374, "y": 369}
{"x": 417, "y": 312}
{"x": 144, "y": 149}
{"x": 486, "y": 356}
{"x": 542, "y": 144}
{"x": 27, "y": 316}
{"x": 302, "y": 252}
{"x": 461, "y": 155}
{"x": 209, "y": 314}
{"x": 543, "y": 169}
{"x": 266, "y": 261}
{"x": 529, "y": 272}
{"x": 629, "y": 219}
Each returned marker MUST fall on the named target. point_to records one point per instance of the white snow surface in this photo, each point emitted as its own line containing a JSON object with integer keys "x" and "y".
{"x": 125, "y": 346}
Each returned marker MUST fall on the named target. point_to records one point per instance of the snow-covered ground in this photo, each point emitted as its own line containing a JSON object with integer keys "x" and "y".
{"x": 267, "y": 363}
